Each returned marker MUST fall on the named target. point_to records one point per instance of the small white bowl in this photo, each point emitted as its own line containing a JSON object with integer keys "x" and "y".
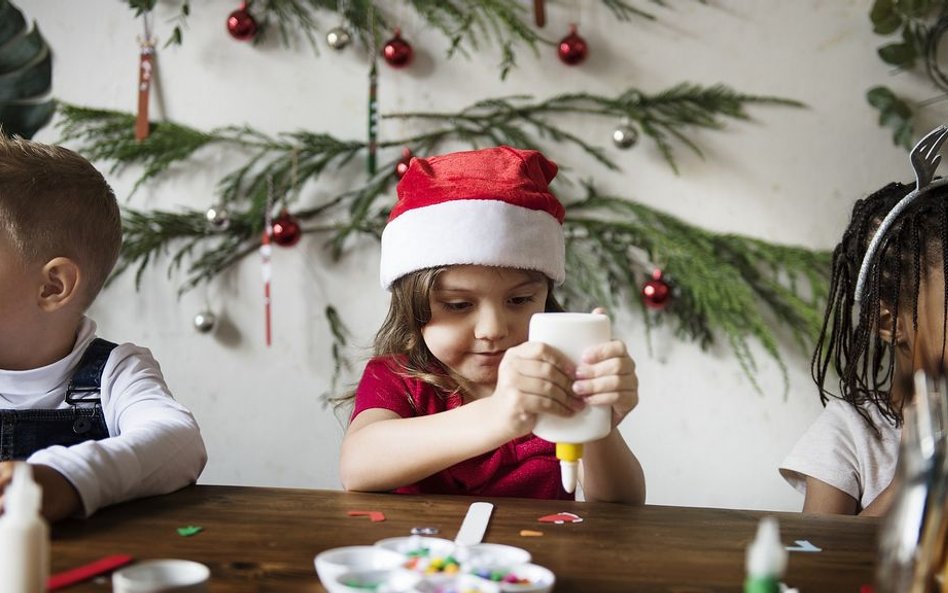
{"x": 336, "y": 561}
{"x": 390, "y": 580}
{"x": 497, "y": 556}
{"x": 412, "y": 545}
{"x": 162, "y": 576}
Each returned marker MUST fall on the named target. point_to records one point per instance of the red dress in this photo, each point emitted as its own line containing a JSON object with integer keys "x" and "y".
{"x": 526, "y": 467}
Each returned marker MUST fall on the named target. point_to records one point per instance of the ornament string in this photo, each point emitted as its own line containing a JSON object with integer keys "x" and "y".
{"x": 146, "y": 65}
{"x": 373, "y": 97}
{"x": 266, "y": 251}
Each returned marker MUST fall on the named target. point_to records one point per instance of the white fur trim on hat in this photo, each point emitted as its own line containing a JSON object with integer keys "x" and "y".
{"x": 481, "y": 232}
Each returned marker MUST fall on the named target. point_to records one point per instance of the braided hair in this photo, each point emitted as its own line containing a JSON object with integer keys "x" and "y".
{"x": 850, "y": 342}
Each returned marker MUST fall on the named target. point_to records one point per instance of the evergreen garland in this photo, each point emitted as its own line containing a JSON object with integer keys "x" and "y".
{"x": 726, "y": 283}
{"x": 467, "y": 24}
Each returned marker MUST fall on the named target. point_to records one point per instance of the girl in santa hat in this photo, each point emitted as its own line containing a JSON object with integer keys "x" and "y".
{"x": 447, "y": 405}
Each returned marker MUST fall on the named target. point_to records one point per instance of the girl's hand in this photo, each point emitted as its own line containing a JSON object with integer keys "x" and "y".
{"x": 606, "y": 376}
{"x": 533, "y": 378}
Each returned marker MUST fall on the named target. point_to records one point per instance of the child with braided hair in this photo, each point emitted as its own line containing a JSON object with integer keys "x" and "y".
{"x": 886, "y": 317}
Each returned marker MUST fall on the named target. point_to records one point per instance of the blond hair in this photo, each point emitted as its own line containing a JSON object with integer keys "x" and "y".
{"x": 54, "y": 203}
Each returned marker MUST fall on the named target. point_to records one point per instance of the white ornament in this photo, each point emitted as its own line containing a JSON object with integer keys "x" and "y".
{"x": 338, "y": 38}
{"x": 205, "y": 321}
{"x": 217, "y": 218}
{"x": 625, "y": 136}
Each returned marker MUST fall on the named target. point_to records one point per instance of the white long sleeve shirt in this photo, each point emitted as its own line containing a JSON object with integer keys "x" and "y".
{"x": 154, "y": 445}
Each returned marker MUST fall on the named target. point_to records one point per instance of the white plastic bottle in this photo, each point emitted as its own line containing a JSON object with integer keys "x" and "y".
{"x": 24, "y": 536}
{"x": 571, "y": 334}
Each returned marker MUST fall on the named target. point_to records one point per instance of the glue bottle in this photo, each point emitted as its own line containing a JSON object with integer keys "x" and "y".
{"x": 571, "y": 334}
{"x": 24, "y": 535}
{"x": 766, "y": 559}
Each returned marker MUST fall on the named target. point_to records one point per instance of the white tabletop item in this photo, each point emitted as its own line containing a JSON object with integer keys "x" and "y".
{"x": 162, "y": 576}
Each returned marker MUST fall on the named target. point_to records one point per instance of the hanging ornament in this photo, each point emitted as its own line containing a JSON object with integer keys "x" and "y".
{"x": 146, "y": 62}
{"x": 217, "y": 218}
{"x": 286, "y": 230}
{"x": 396, "y": 51}
{"x": 572, "y": 48}
{"x": 401, "y": 167}
{"x": 656, "y": 293}
{"x": 539, "y": 12}
{"x": 241, "y": 25}
{"x": 625, "y": 135}
{"x": 338, "y": 38}
{"x": 205, "y": 321}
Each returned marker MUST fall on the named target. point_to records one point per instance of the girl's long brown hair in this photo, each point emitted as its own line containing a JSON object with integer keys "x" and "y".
{"x": 408, "y": 312}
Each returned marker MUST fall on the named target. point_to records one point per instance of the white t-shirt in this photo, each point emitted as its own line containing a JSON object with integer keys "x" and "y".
{"x": 154, "y": 445}
{"x": 841, "y": 449}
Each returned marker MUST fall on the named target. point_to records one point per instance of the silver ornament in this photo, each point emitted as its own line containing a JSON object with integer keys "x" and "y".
{"x": 338, "y": 38}
{"x": 205, "y": 321}
{"x": 625, "y": 136}
{"x": 217, "y": 218}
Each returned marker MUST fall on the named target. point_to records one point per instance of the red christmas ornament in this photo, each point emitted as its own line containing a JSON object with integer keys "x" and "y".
{"x": 573, "y": 48}
{"x": 396, "y": 51}
{"x": 241, "y": 25}
{"x": 402, "y": 165}
{"x": 286, "y": 231}
{"x": 656, "y": 293}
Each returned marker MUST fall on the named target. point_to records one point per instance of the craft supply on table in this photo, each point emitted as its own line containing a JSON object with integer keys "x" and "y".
{"x": 74, "y": 576}
{"x": 766, "y": 559}
{"x": 162, "y": 576}
{"x": 571, "y": 334}
{"x": 424, "y": 564}
{"x": 24, "y": 535}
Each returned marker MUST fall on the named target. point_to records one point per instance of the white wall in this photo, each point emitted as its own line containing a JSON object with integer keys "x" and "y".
{"x": 703, "y": 435}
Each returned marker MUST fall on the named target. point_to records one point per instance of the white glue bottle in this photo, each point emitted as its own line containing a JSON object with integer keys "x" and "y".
{"x": 571, "y": 334}
{"x": 24, "y": 535}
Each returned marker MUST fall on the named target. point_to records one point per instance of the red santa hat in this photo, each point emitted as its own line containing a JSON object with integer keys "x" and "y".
{"x": 490, "y": 207}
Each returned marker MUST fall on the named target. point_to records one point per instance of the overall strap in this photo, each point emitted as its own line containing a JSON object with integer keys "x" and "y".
{"x": 86, "y": 381}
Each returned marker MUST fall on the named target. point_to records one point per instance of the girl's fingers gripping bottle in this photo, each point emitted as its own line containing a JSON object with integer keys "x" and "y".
{"x": 571, "y": 334}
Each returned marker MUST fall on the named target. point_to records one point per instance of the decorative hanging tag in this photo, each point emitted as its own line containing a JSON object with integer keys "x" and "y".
{"x": 539, "y": 12}
{"x": 373, "y": 119}
{"x": 373, "y": 98}
{"x": 146, "y": 63}
{"x": 266, "y": 250}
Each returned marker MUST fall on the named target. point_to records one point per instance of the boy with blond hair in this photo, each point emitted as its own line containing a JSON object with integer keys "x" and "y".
{"x": 94, "y": 419}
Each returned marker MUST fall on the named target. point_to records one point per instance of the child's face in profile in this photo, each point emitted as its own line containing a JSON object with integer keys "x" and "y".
{"x": 477, "y": 313}
{"x": 18, "y": 297}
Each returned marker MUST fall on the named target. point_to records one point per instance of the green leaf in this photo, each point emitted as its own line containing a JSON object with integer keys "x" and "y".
{"x": 915, "y": 8}
{"x": 903, "y": 136}
{"x": 21, "y": 50}
{"x": 885, "y": 19}
{"x": 898, "y": 54}
{"x": 30, "y": 81}
{"x": 25, "y": 119}
{"x": 881, "y": 97}
{"x": 11, "y": 21}
{"x": 25, "y": 75}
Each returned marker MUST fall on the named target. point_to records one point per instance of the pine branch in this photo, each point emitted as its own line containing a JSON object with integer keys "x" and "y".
{"x": 467, "y": 24}
{"x": 109, "y": 136}
{"x": 724, "y": 283}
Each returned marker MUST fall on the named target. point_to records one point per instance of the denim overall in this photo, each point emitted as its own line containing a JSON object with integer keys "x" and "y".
{"x": 23, "y": 432}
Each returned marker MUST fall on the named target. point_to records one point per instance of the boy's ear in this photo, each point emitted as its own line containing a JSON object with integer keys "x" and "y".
{"x": 61, "y": 279}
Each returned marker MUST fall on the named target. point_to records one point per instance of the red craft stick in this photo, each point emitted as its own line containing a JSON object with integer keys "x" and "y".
{"x": 374, "y": 516}
{"x": 68, "y": 578}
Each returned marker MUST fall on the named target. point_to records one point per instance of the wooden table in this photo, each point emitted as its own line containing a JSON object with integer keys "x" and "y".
{"x": 258, "y": 540}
